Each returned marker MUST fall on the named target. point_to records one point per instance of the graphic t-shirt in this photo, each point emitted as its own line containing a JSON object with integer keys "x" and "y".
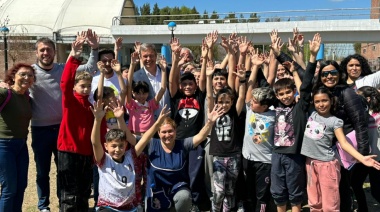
{"x": 224, "y": 141}
{"x": 188, "y": 113}
{"x": 141, "y": 116}
{"x": 283, "y": 131}
{"x": 261, "y": 127}
{"x": 318, "y": 138}
{"x": 117, "y": 182}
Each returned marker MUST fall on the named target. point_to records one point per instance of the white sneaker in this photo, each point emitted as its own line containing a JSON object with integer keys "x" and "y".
{"x": 45, "y": 210}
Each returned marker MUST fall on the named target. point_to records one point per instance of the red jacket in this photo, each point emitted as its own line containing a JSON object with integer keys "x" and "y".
{"x": 77, "y": 121}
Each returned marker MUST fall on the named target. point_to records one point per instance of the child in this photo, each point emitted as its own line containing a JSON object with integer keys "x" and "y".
{"x": 141, "y": 112}
{"x": 116, "y": 166}
{"x": 287, "y": 173}
{"x": 225, "y": 145}
{"x": 372, "y": 96}
{"x": 258, "y": 146}
{"x": 323, "y": 169}
{"x": 74, "y": 144}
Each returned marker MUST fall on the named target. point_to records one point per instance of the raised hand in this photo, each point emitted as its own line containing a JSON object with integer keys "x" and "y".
{"x": 176, "y": 55}
{"x": 115, "y": 65}
{"x": 243, "y": 44}
{"x": 224, "y": 43}
{"x": 273, "y": 36}
{"x": 215, "y": 36}
{"x": 266, "y": 56}
{"x": 162, "y": 63}
{"x": 315, "y": 44}
{"x": 215, "y": 113}
{"x": 101, "y": 66}
{"x": 256, "y": 58}
{"x": 289, "y": 65}
{"x": 204, "y": 49}
{"x": 76, "y": 48}
{"x": 135, "y": 58}
{"x": 174, "y": 44}
{"x": 210, "y": 68}
{"x": 291, "y": 45}
{"x": 81, "y": 36}
{"x": 117, "y": 108}
{"x": 98, "y": 110}
{"x": 240, "y": 72}
{"x": 137, "y": 46}
{"x": 118, "y": 43}
{"x": 92, "y": 39}
{"x": 276, "y": 46}
{"x": 165, "y": 112}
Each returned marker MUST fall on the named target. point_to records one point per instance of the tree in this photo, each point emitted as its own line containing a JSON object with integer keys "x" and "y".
{"x": 358, "y": 48}
{"x": 205, "y": 15}
{"x": 145, "y": 10}
{"x": 156, "y": 11}
{"x": 242, "y": 19}
{"x": 232, "y": 17}
{"x": 253, "y": 18}
{"x": 274, "y": 19}
{"x": 19, "y": 44}
{"x": 163, "y": 12}
{"x": 194, "y": 11}
{"x": 214, "y": 15}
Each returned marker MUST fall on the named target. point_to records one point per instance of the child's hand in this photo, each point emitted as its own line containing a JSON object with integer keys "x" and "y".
{"x": 210, "y": 68}
{"x": 165, "y": 112}
{"x": 98, "y": 110}
{"x": 118, "y": 43}
{"x": 215, "y": 113}
{"x": 100, "y": 65}
{"x": 76, "y": 48}
{"x": 369, "y": 161}
{"x": 240, "y": 72}
{"x": 117, "y": 109}
{"x": 135, "y": 58}
{"x": 162, "y": 63}
{"x": 115, "y": 65}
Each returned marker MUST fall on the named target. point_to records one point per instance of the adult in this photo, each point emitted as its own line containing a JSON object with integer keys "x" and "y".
{"x": 46, "y": 101}
{"x": 151, "y": 74}
{"x": 168, "y": 178}
{"x": 15, "y": 116}
{"x": 358, "y": 73}
{"x": 351, "y": 110}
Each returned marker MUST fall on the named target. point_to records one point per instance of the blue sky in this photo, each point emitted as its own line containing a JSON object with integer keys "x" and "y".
{"x": 223, "y": 6}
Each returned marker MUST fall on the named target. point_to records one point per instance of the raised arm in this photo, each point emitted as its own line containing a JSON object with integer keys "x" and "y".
{"x": 209, "y": 90}
{"x": 98, "y": 111}
{"x": 213, "y": 115}
{"x": 134, "y": 61}
{"x": 231, "y": 61}
{"x": 174, "y": 72}
{"x": 202, "y": 78}
{"x": 211, "y": 39}
{"x": 101, "y": 68}
{"x": 117, "y": 47}
{"x": 92, "y": 40}
{"x": 164, "y": 79}
{"x": 148, "y": 135}
{"x": 257, "y": 60}
{"x": 118, "y": 110}
{"x": 242, "y": 81}
{"x": 115, "y": 65}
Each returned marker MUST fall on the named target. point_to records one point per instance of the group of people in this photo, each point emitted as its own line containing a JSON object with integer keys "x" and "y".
{"x": 258, "y": 129}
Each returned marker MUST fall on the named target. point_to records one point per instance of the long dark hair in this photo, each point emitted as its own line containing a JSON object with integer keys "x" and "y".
{"x": 323, "y": 64}
{"x": 374, "y": 97}
{"x": 366, "y": 70}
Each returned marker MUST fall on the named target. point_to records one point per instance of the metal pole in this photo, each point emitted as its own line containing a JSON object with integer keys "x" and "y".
{"x": 172, "y": 34}
{"x": 5, "y": 52}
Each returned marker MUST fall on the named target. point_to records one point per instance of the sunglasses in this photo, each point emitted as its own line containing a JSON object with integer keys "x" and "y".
{"x": 332, "y": 72}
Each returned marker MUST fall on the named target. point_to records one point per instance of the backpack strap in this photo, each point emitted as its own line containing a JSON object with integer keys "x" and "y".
{"x": 6, "y": 100}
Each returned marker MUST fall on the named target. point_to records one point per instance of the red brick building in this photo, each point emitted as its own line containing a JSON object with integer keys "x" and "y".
{"x": 371, "y": 51}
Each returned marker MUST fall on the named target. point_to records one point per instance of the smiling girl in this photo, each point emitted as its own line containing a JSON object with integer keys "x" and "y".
{"x": 323, "y": 169}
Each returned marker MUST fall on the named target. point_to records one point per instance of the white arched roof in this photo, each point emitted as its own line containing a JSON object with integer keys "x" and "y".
{"x": 66, "y": 17}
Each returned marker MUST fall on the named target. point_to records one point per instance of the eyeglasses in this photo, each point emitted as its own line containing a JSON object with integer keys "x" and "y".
{"x": 332, "y": 72}
{"x": 24, "y": 75}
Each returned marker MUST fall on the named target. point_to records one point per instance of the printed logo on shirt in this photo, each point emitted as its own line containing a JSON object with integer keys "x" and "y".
{"x": 223, "y": 128}
{"x": 314, "y": 130}
{"x": 259, "y": 128}
{"x": 188, "y": 108}
{"x": 111, "y": 120}
{"x": 284, "y": 132}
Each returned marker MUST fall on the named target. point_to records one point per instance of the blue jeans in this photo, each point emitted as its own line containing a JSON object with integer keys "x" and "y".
{"x": 44, "y": 144}
{"x": 14, "y": 163}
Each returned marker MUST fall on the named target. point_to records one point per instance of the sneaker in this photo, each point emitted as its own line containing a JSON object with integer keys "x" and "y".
{"x": 45, "y": 210}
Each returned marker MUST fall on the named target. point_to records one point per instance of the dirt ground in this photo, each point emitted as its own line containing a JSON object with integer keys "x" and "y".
{"x": 30, "y": 198}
